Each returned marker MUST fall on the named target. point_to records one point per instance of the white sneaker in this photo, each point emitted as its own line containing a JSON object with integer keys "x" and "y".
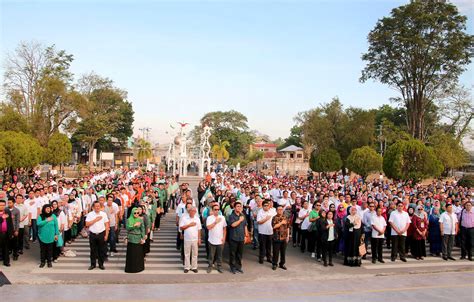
{"x": 112, "y": 254}
{"x": 313, "y": 255}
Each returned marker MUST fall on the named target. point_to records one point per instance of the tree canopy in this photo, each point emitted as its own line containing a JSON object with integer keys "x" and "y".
{"x": 420, "y": 49}
{"x": 364, "y": 160}
{"x": 411, "y": 160}
{"x": 21, "y": 150}
{"x": 59, "y": 149}
{"x": 228, "y": 126}
{"x": 327, "y": 160}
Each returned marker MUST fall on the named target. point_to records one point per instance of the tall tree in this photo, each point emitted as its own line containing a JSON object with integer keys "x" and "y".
{"x": 37, "y": 83}
{"x": 328, "y": 160}
{"x": 144, "y": 150}
{"x": 229, "y": 126}
{"x": 331, "y": 127}
{"x": 421, "y": 49}
{"x": 100, "y": 116}
{"x": 456, "y": 109}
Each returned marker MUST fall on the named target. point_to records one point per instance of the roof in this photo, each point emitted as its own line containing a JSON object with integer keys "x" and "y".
{"x": 291, "y": 148}
{"x": 265, "y": 145}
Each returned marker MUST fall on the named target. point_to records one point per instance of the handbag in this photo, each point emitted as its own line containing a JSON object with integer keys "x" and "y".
{"x": 362, "y": 249}
{"x": 60, "y": 241}
{"x": 312, "y": 227}
{"x": 247, "y": 239}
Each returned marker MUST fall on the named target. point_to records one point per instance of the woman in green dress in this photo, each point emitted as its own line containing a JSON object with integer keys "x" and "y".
{"x": 48, "y": 231}
{"x": 135, "y": 260}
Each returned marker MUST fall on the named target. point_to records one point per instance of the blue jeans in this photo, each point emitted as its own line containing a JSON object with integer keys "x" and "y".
{"x": 112, "y": 241}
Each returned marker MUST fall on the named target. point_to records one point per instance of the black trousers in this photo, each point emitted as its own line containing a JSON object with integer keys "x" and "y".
{"x": 304, "y": 240}
{"x": 327, "y": 250}
{"x": 21, "y": 234}
{"x": 467, "y": 241}
{"x": 318, "y": 245}
{"x": 265, "y": 242}
{"x": 4, "y": 248}
{"x": 312, "y": 242}
{"x": 236, "y": 250}
{"x": 46, "y": 251}
{"x": 296, "y": 233}
{"x": 13, "y": 245}
{"x": 98, "y": 247}
{"x": 376, "y": 246}
{"x": 179, "y": 241}
{"x": 279, "y": 251}
{"x": 398, "y": 246}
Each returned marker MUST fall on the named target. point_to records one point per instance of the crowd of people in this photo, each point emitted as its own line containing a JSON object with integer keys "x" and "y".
{"x": 326, "y": 217}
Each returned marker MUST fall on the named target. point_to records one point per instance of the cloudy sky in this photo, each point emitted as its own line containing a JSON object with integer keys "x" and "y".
{"x": 181, "y": 59}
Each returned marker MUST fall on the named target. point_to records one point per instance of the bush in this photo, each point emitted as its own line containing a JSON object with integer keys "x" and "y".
{"x": 364, "y": 161}
{"x": 467, "y": 181}
{"x": 326, "y": 161}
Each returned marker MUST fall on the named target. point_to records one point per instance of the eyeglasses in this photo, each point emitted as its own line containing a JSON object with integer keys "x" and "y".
{"x": 318, "y": 205}
{"x": 216, "y": 209}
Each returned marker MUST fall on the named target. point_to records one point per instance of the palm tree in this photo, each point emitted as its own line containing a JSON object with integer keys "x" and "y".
{"x": 144, "y": 151}
{"x": 219, "y": 151}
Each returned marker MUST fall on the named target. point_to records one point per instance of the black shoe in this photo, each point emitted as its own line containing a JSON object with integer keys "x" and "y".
{"x": 283, "y": 267}
{"x": 27, "y": 247}
{"x": 195, "y": 270}
{"x": 186, "y": 271}
{"x": 209, "y": 269}
{"x": 91, "y": 267}
{"x": 381, "y": 261}
{"x": 101, "y": 267}
{"x": 50, "y": 264}
{"x": 220, "y": 270}
{"x": 445, "y": 258}
{"x": 469, "y": 258}
{"x": 254, "y": 248}
{"x": 373, "y": 261}
{"x": 260, "y": 261}
{"x": 393, "y": 259}
{"x": 232, "y": 270}
{"x": 15, "y": 258}
{"x": 462, "y": 258}
{"x": 330, "y": 264}
{"x": 269, "y": 261}
{"x": 8, "y": 264}
{"x": 403, "y": 259}
{"x": 274, "y": 267}
{"x": 20, "y": 252}
{"x": 364, "y": 257}
{"x": 451, "y": 258}
{"x": 325, "y": 263}
{"x": 239, "y": 270}
{"x": 42, "y": 264}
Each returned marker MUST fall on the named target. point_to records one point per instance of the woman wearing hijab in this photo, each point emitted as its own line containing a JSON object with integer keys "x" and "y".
{"x": 352, "y": 226}
{"x": 48, "y": 232}
{"x": 434, "y": 232}
{"x": 340, "y": 218}
{"x": 420, "y": 226}
{"x": 135, "y": 260}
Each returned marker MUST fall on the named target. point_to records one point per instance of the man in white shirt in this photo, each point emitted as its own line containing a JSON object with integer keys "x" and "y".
{"x": 378, "y": 225}
{"x": 216, "y": 224}
{"x": 191, "y": 227}
{"x": 24, "y": 222}
{"x": 399, "y": 221}
{"x": 367, "y": 222}
{"x": 112, "y": 211}
{"x": 265, "y": 231}
{"x": 33, "y": 211}
{"x": 449, "y": 227}
{"x": 98, "y": 224}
